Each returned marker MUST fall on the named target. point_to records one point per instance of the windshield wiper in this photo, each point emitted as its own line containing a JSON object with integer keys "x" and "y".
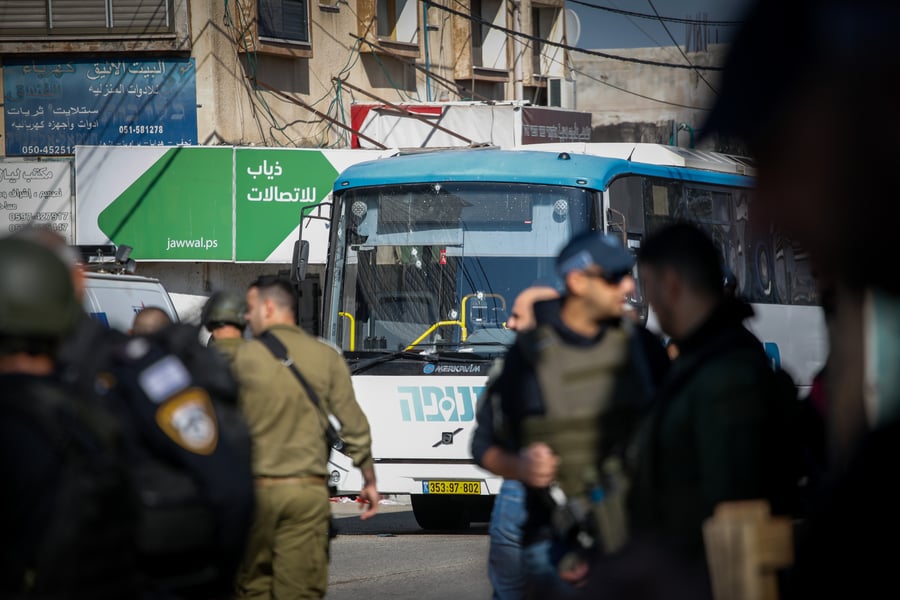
{"x": 383, "y": 358}
{"x": 441, "y": 355}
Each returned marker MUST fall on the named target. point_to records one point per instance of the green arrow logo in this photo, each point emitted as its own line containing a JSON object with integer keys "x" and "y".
{"x": 179, "y": 209}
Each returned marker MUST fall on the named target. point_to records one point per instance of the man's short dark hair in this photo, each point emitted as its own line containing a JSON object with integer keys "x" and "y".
{"x": 279, "y": 290}
{"x": 689, "y": 251}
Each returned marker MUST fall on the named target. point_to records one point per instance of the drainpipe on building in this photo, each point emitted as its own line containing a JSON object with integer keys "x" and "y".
{"x": 427, "y": 58}
{"x": 519, "y": 50}
{"x": 673, "y": 140}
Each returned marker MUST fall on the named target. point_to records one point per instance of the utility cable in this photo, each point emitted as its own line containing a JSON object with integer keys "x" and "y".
{"x": 316, "y": 112}
{"x": 407, "y": 112}
{"x": 453, "y": 86}
{"x": 510, "y": 32}
{"x": 629, "y": 13}
{"x": 672, "y": 37}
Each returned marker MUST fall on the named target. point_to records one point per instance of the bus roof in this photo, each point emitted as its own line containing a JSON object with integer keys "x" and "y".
{"x": 591, "y": 166}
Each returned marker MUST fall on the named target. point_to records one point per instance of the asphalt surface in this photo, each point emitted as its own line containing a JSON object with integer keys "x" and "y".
{"x": 390, "y": 556}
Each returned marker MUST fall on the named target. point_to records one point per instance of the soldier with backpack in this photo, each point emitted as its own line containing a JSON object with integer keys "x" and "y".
{"x": 67, "y": 510}
{"x": 186, "y": 446}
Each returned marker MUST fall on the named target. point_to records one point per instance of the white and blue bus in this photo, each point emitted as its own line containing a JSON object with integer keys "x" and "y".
{"x": 429, "y": 250}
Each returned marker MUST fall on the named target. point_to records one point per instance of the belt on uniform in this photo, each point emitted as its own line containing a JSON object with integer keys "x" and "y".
{"x": 267, "y": 481}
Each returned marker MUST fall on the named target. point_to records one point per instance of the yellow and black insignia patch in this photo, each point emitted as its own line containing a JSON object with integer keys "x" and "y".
{"x": 189, "y": 420}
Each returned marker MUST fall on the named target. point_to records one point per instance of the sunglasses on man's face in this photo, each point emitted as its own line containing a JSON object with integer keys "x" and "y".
{"x": 612, "y": 278}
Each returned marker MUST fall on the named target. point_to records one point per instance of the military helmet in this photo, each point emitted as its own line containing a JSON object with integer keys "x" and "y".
{"x": 223, "y": 308}
{"x": 37, "y": 297}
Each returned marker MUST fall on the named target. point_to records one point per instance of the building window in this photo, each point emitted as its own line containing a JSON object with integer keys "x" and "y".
{"x": 489, "y": 43}
{"x": 545, "y": 26}
{"x": 479, "y": 42}
{"x": 397, "y": 20}
{"x": 386, "y": 17}
{"x": 391, "y": 25}
{"x": 85, "y": 17}
{"x": 284, "y": 21}
{"x": 478, "y": 31}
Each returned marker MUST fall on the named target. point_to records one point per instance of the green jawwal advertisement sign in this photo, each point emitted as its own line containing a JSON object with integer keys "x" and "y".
{"x": 205, "y": 203}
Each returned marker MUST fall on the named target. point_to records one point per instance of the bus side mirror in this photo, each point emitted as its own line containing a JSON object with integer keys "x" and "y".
{"x": 300, "y": 260}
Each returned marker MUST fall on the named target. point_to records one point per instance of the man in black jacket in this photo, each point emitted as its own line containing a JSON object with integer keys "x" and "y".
{"x": 719, "y": 427}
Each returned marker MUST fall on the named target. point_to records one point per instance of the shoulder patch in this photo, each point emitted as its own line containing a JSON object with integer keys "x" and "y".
{"x": 190, "y": 421}
{"x": 163, "y": 378}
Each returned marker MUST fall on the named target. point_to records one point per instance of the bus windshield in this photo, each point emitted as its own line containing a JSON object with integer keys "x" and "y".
{"x": 435, "y": 267}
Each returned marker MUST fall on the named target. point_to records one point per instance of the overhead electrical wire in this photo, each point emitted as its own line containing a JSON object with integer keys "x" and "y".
{"x": 688, "y": 60}
{"x": 506, "y": 30}
{"x": 595, "y": 79}
{"x": 639, "y": 15}
{"x": 529, "y": 38}
{"x": 606, "y": 83}
{"x": 645, "y": 32}
{"x": 639, "y": 95}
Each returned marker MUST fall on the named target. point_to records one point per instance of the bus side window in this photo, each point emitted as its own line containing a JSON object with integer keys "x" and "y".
{"x": 625, "y": 199}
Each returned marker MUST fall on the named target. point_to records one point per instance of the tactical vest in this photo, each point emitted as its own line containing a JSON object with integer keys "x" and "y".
{"x": 591, "y": 397}
{"x": 176, "y": 401}
{"x": 86, "y": 549}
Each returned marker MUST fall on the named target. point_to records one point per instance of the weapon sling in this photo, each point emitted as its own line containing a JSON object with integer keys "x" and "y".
{"x": 280, "y": 352}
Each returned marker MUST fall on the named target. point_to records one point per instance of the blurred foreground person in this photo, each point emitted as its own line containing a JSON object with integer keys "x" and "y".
{"x": 719, "y": 426}
{"x": 820, "y": 177}
{"x": 186, "y": 447}
{"x": 67, "y": 511}
{"x": 505, "y": 569}
{"x": 149, "y": 320}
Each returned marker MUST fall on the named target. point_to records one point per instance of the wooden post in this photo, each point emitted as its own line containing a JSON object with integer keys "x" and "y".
{"x": 745, "y": 547}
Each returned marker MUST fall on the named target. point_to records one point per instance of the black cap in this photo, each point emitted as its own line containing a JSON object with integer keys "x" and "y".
{"x": 594, "y": 248}
{"x": 784, "y": 47}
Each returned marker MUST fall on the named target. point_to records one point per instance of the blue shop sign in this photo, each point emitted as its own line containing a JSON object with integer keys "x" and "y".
{"x": 52, "y": 106}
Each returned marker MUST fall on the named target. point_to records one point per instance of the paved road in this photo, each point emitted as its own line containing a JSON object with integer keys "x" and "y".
{"x": 390, "y": 556}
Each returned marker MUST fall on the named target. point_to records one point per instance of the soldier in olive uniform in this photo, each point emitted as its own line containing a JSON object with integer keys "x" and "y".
{"x": 223, "y": 317}
{"x": 287, "y": 556}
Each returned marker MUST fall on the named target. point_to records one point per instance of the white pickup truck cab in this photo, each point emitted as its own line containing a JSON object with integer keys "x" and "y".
{"x": 114, "y": 298}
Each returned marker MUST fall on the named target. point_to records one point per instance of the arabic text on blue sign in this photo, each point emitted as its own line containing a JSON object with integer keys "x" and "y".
{"x": 52, "y": 106}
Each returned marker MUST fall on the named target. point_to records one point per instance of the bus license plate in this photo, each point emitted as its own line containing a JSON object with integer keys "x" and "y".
{"x": 451, "y": 487}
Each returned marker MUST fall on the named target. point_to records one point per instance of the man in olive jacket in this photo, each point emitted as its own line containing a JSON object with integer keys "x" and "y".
{"x": 287, "y": 555}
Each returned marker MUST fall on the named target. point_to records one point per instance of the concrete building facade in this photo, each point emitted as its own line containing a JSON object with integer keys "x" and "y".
{"x": 267, "y": 70}
{"x": 637, "y": 100}
{"x": 272, "y": 73}
{"x": 284, "y": 73}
